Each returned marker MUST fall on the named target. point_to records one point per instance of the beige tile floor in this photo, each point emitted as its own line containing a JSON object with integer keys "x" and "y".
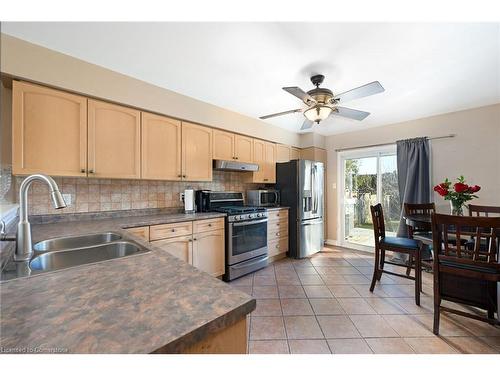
{"x": 323, "y": 305}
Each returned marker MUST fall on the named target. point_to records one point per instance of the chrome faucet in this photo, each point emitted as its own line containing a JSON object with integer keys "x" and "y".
{"x": 24, "y": 248}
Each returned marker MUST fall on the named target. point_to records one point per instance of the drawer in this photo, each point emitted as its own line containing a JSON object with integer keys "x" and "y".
{"x": 277, "y": 230}
{"x": 278, "y": 215}
{"x": 276, "y": 247}
{"x": 159, "y": 232}
{"x": 277, "y": 225}
{"x": 142, "y": 232}
{"x": 209, "y": 224}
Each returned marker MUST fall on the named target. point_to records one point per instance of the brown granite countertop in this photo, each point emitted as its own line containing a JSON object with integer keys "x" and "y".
{"x": 137, "y": 304}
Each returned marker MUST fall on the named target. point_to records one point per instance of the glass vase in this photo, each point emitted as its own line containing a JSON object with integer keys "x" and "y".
{"x": 457, "y": 208}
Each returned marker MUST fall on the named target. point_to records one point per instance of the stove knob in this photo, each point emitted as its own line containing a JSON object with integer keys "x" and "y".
{"x": 251, "y": 216}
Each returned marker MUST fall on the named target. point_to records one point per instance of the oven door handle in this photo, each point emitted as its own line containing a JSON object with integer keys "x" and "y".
{"x": 249, "y": 263}
{"x": 244, "y": 223}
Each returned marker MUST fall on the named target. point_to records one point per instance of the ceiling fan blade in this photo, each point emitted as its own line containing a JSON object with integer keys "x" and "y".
{"x": 350, "y": 113}
{"x": 301, "y": 94}
{"x": 280, "y": 113}
{"x": 307, "y": 124}
{"x": 360, "y": 92}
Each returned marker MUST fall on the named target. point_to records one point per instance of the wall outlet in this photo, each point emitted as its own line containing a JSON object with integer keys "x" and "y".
{"x": 181, "y": 197}
{"x": 67, "y": 199}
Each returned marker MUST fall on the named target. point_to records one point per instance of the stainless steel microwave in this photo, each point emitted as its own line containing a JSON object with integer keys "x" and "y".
{"x": 263, "y": 198}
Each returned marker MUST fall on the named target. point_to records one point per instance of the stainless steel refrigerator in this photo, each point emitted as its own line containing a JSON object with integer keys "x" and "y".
{"x": 301, "y": 185}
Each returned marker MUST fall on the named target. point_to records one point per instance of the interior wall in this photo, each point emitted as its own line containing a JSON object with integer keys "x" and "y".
{"x": 474, "y": 152}
{"x": 38, "y": 64}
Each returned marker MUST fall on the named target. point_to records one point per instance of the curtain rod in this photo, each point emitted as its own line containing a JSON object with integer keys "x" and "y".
{"x": 390, "y": 143}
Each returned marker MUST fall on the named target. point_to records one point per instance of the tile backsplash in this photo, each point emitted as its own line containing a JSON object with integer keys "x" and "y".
{"x": 97, "y": 195}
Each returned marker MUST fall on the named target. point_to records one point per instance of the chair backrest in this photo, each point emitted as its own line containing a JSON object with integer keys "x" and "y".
{"x": 475, "y": 210}
{"x": 419, "y": 208}
{"x": 378, "y": 222}
{"x": 466, "y": 240}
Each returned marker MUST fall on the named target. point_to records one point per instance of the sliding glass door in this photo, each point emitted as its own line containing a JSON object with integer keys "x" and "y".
{"x": 367, "y": 178}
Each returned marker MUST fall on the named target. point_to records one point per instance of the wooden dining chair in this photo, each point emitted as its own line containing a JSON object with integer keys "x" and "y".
{"x": 397, "y": 245}
{"x": 423, "y": 231}
{"x": 487, "y": 211}
{"x": 466, "y": 272}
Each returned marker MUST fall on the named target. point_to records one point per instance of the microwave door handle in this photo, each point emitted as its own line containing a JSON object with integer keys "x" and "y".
{"x": 276, "y": 198}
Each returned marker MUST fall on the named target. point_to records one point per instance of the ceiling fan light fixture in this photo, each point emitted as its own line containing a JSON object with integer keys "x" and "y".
{"x": 318, "y": 113}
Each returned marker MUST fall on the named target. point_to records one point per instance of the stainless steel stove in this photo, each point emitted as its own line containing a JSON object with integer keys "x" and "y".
{"x": 246, "y": 231}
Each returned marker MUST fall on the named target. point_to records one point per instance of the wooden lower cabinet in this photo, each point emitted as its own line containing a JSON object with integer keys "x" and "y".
{"x": 200, "y": 243}
{"x": 180, "y": 247}
{"x": 277, "y": 232}
{"x": 207, "y": 254}
{"x": 231, "y": 340}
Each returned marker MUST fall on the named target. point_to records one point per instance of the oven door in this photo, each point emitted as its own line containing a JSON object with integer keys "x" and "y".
{"x": 269, "y": 198}
{"x": 246, "y": 240}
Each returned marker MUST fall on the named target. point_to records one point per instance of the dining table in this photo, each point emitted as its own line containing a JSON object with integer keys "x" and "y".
{"x": 471, "y": 290}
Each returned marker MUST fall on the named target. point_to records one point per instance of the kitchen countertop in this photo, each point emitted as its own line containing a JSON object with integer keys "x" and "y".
{"x": 151, "y": 302}
{"x": 277, "y": 208}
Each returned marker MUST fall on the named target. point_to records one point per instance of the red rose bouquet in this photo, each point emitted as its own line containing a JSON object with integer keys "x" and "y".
{"x": 457, "y": 194}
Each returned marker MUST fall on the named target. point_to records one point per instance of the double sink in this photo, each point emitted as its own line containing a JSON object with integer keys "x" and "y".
{"x": 66, "y": 252}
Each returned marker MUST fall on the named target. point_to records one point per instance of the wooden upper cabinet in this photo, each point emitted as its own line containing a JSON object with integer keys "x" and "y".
{"x": 114, "y": 141}
{"x": 282, "y": 153}
{"x": 313, "y": 153}
{"x": 196, "y": 152}
{"x": 259, "y": 157}
{"x": 49, "y": 131}
{"x": 294, "y": 153}
{"x": 223, "y": 145}
{"x": 264, "y": 154}
{"x": 231, "y": 146}
{"x": 161, "y": 148}
{"x": 243, "y": 148}
{"x": 270, "y": 162}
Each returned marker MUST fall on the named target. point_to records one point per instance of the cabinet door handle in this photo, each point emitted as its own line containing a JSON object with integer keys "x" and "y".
{"x": 209, "y": 224}
{"x": 179, "y": 175}
{"x": 184, "y": 176}
{"x": 173, "y": 230}
{"x": 236, "y": 158}
{"x": 91, "y": 171}
{"x": 194, "y": 239}
{"x": 82, "y": 170}
{"x": 266, "y": 179}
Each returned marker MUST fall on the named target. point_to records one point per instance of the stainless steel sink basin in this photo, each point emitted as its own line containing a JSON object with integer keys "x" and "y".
{"x": 73, "y": 242}
{"x": 56, "y": 260}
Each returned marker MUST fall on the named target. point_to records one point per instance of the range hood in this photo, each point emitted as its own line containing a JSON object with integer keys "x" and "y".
{"x": 231, "y": 165}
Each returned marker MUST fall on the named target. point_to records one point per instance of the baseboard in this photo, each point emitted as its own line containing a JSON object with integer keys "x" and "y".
{"x": 331, "y": 242}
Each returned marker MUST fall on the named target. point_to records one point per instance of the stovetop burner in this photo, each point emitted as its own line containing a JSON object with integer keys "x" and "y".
{"x": 233, "y": 210}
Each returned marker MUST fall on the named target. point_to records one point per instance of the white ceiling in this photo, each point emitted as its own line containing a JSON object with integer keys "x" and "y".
{"x": 426, "y": 69}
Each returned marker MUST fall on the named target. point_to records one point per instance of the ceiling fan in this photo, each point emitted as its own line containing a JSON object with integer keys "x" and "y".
{"x": 321, "y": 102}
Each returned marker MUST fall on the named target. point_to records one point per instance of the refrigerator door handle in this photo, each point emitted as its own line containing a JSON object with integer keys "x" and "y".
{"x": 312, "y": 222}
{"x": 314, "y": 189}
